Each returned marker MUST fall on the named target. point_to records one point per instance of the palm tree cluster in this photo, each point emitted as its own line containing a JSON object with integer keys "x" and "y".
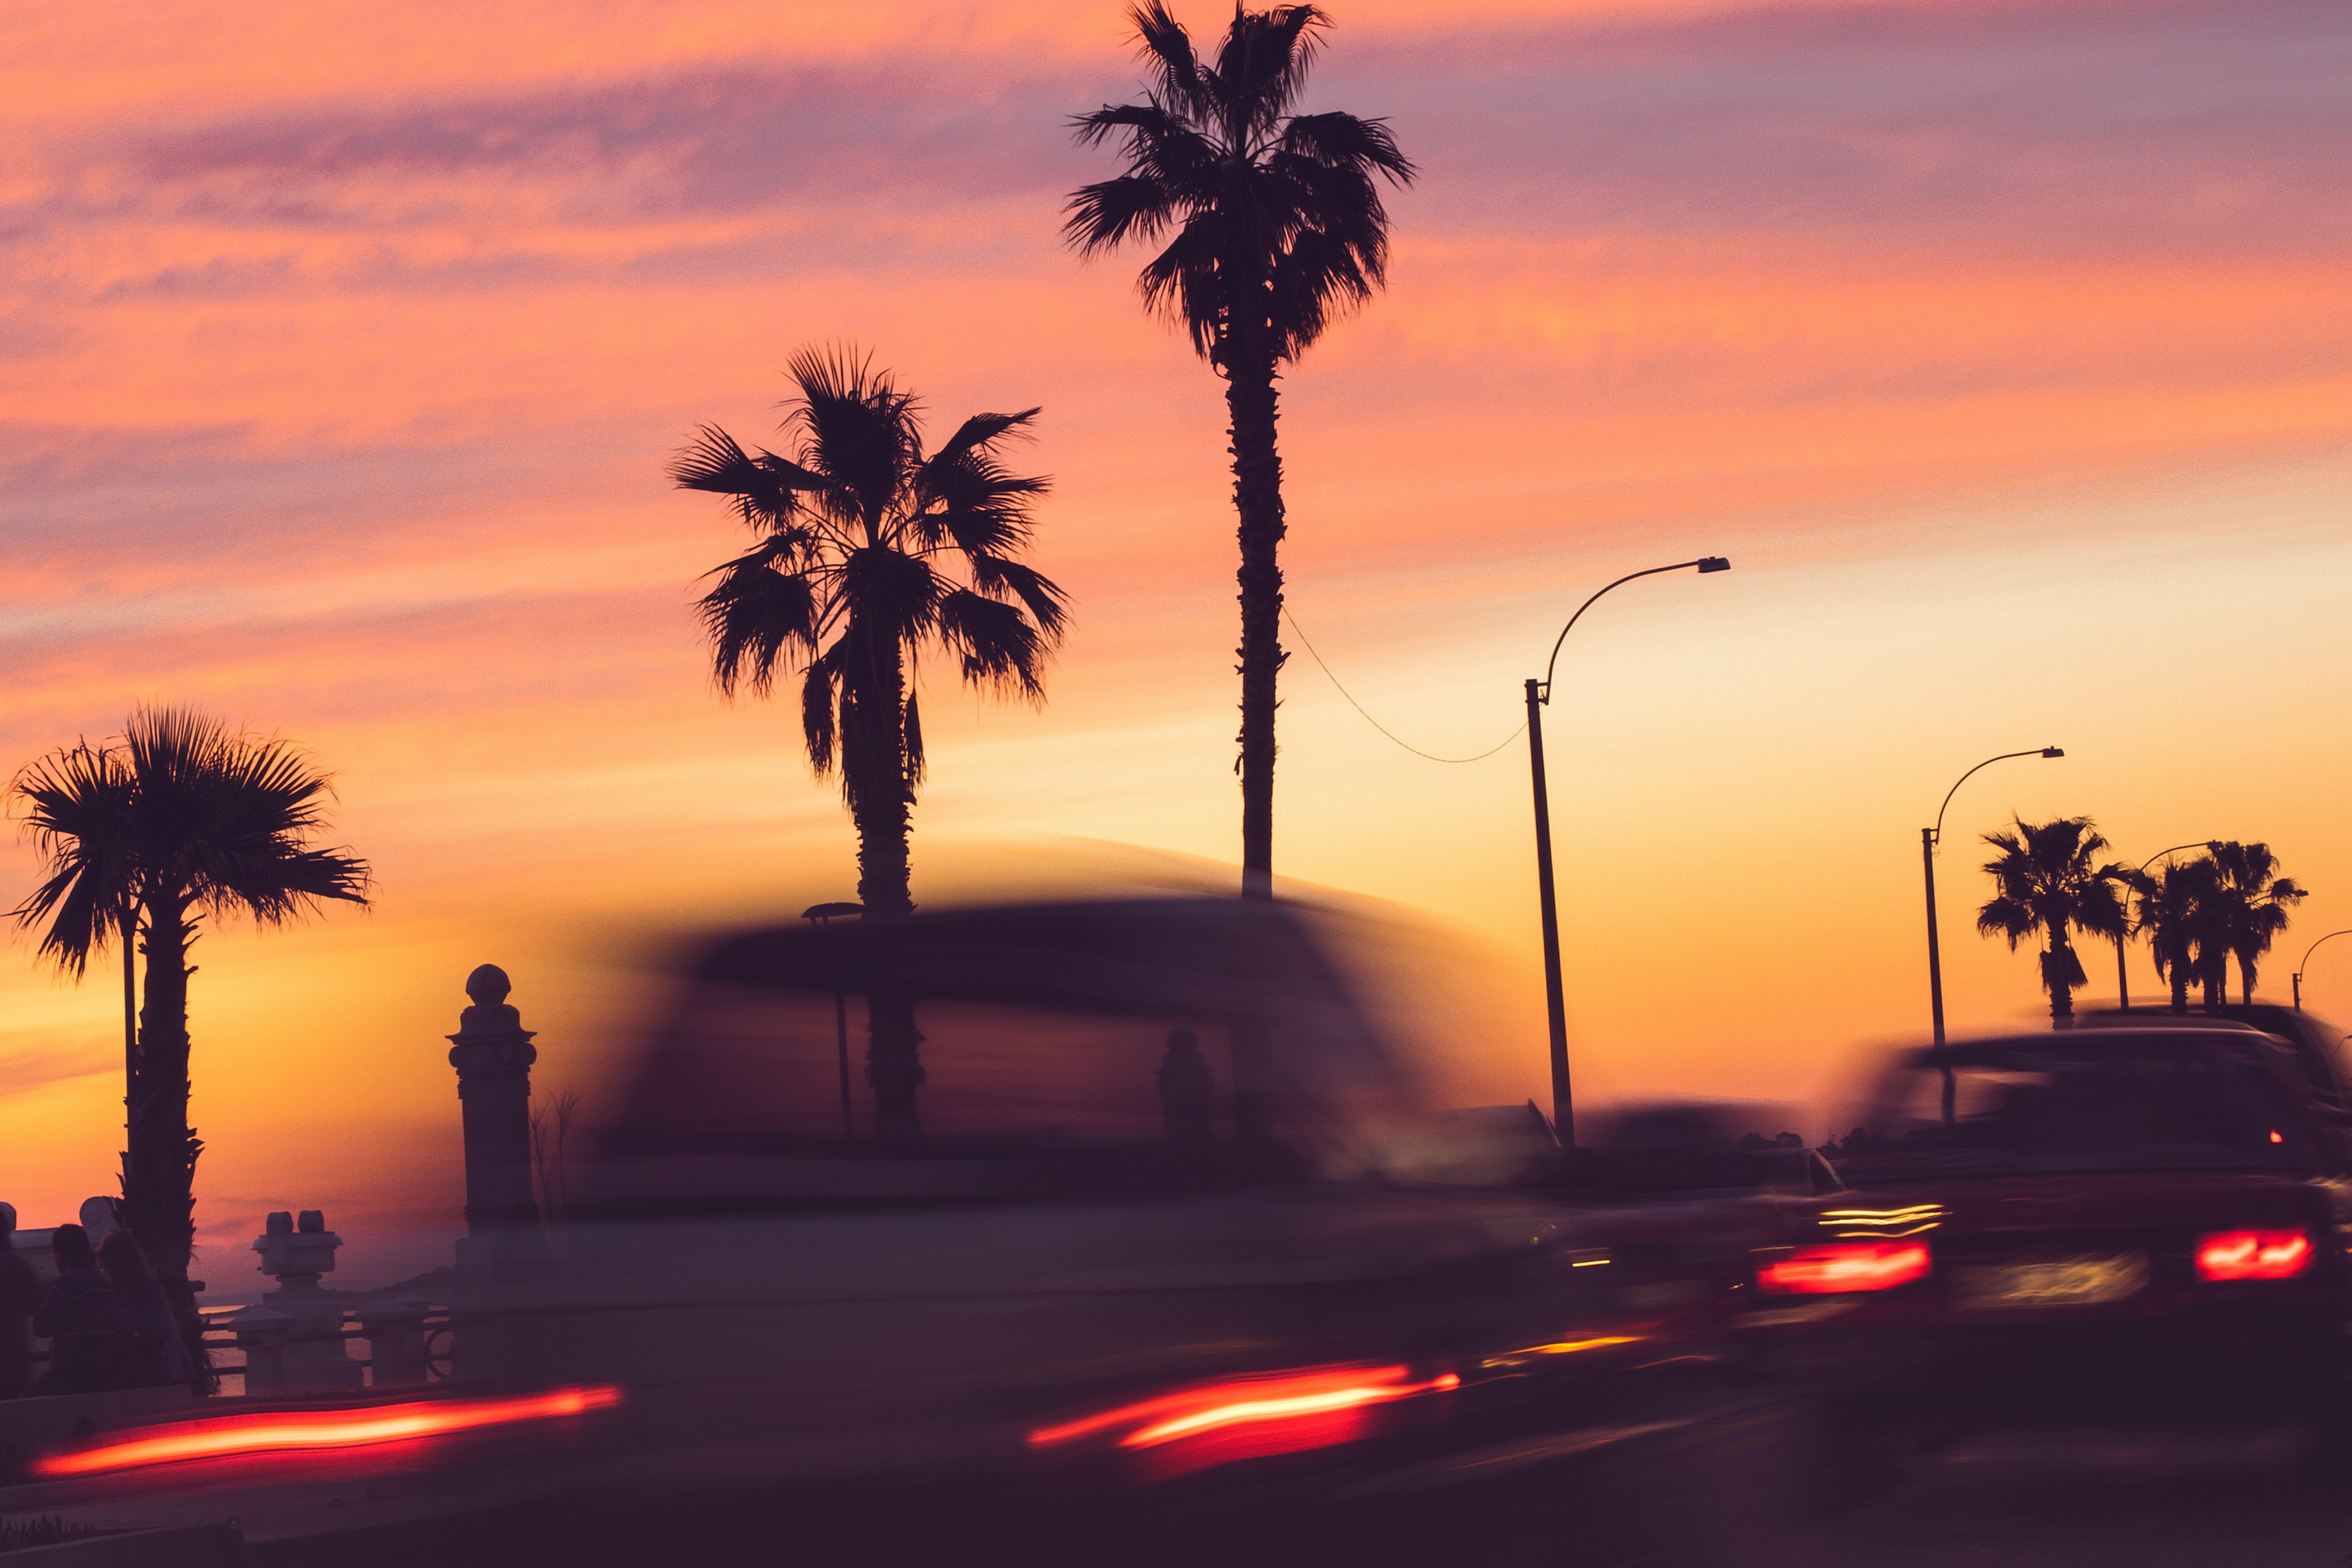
{"x": 2229, "y": 902}
{"x": 142, "y": 838}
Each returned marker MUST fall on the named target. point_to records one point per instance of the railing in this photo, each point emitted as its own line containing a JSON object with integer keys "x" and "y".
{"x": 227, "y": 1357}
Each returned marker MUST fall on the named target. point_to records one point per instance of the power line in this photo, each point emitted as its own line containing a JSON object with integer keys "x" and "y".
{"x": 1375, "y": 723}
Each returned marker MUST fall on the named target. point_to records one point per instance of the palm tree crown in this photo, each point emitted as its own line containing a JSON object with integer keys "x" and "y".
{"x": 181, "y": 820}
{"x": 1274, "y": 225}
{"x": 1278, "y": 223}
{"x": 859, "y": 536}
{"x": 2049, "y": 887}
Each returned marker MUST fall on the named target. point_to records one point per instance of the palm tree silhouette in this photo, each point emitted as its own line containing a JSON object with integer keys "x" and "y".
{"x": 2248, "y": 907}
{"x": 2173, "y": 912}
{"x": 2049, "y": 887}
{"x": 1278, "y": 228}
{"x": 848, "y": 582}
{"x": 183, "y": 820}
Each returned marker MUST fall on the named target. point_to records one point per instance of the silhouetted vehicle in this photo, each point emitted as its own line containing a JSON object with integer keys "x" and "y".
{"x": 1089, "y": 1275}
{"x": 2318, "y": 1045}
{"x": 2103, "y": 1228}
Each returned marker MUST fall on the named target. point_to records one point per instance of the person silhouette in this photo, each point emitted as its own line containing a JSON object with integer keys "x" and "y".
{"x": 81, "y": 1318}
{"x": 1187, "y": 1088}
{"x": 20, "y": 1294}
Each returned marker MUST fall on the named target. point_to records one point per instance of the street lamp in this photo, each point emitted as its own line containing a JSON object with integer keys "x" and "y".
{"x": 1563, "y": 1107}
{"x": 2306, "y": 963}
{"x": 824, "y": 914}
{"x": 1928, "y": 839}
{"x": 2123, "y": 985}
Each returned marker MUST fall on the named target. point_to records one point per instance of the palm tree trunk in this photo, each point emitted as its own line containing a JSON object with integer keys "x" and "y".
{"x": 2055, "y": 964}
{"x": 2245, "y": 980}
{"x": 2179, "y": 987}
{"x": 874, "y": 738}
{"x": 129, "y": 1022}
{"x": 159, "y": 1174}
{"x": 1250, "y": 402}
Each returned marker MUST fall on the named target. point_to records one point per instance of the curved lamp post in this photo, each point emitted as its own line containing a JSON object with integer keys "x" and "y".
{"x": 1563, "y": 1105}
{"x": 2123, "y": 983}
{"x": 2306, "y": 963}
{"x": 1928, "y": 839}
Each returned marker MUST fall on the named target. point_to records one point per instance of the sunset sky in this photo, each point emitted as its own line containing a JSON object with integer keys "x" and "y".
{"x": 2006, "y": 349}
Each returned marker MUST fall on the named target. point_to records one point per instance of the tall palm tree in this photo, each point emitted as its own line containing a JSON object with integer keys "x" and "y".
{"x": 861, "y": 538}
{"x": 2172, "y": 911}
{"x": 181, "y": 821}
{"x": 2250, "y": 909}
{"x": 2049, "y": 887}
{"x": 1278, "y": 227}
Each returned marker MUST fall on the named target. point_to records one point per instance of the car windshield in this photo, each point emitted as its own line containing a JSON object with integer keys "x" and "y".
{"x": 2077, "y": 1106}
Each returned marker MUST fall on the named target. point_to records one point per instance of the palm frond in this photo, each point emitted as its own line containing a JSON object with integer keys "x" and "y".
{"x": 819, "y": 729}
{"x": 763, "y": 487}
{"x": 1046, "y": 604}
{"x": 999, "y": 646}
{"x": 1167, "y": 51}
{"x": 755, "y": 617}
{"x": 912, "y": 746}
{"x": 1264, "y": 61}
{"x": 76, "y": 806}
{"x": 1182, "y": 284}
{"x": 1347, "y": 141}
{"x": 1106, "y": 214}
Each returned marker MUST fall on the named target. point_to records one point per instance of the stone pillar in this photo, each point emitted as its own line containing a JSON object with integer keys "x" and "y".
{"x": 395, "y": 1337}
{"x": 261, "y": 1334}
{"x": 492, "y": 1053}
{"x": 298, "y": 1252}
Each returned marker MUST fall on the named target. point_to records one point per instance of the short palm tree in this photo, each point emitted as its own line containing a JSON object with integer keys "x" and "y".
{"x": 2171, "y": 909}
{"x": 181, "y": 820}
{"x": 1276, "y": 226}
{"x": 2050, "y": 887}
{"x": 867, "y": 553}
{"x": 2250, "y": 909}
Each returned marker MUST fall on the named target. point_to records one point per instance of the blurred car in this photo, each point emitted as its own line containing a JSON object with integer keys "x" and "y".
{"x": 2140, "y": 1228}
{"x": 1048, "y": 1204}
{"x": 2318, "y": 1045}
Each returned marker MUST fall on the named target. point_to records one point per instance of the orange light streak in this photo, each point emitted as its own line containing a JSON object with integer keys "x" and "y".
{"x": 1247, "y": 1402}
{"x": 1563, "y": 1347}
{"x": 298, "y": 1431}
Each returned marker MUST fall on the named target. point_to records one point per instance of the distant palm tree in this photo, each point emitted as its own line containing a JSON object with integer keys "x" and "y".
{"x": 2050, "y": 887}
{"x": 183, "y": 819}
{"x": 857, "y": 530}
{"x": 2249, "y": 902}
{"x": 2173, "y": 909}
{"x": 1279, "y": 227}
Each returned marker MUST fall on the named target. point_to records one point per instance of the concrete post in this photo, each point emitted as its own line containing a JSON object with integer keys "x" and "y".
{"x": 261, "y": 1334}
{"x": 492, "y": 1053}
{"x": 395, "y": 1337}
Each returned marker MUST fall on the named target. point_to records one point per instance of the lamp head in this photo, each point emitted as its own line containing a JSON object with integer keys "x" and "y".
{"x": 2054, "y": 750}
{"x": 1714, "y": 563}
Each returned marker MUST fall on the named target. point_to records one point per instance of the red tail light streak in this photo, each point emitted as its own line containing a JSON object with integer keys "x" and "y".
{"x": 296, "y": 1431}
{"x": 1848, "y": 1266}
{"x": 1276, "y": 1400}
{"x": 2253, "y": 1255}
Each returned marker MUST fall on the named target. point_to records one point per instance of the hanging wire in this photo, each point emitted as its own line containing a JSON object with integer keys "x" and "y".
{"x": 1375, "y": 723}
